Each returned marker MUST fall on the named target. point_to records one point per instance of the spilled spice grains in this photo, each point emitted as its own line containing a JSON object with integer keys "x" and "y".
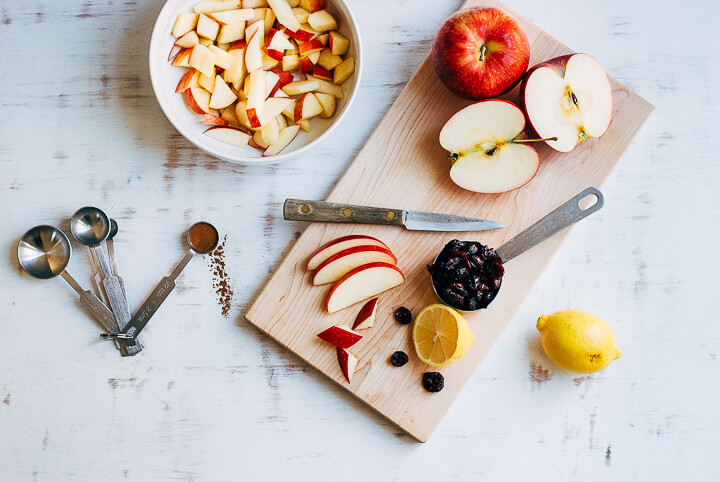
{"x": 221, "y": 280}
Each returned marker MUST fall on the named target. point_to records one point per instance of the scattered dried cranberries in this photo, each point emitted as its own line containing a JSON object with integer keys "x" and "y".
{"x": 433, "y": 381}
{"x": 403, "y": 316}
{"x": 399, "y": 358}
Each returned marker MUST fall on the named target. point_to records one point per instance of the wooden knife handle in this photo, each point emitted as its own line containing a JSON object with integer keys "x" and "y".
{"x": 319, "y": 211}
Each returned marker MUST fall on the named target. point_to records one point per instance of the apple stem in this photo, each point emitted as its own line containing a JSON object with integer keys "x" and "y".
{"x": 483, "y": 52}
{"x": 454, "y": 156}
{"x": 522, "y": 141}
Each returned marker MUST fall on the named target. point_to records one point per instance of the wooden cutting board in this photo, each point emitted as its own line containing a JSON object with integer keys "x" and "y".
{"x": 403, "y": 166}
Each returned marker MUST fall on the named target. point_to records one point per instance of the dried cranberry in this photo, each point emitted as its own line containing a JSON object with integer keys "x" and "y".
{"x": 399, "y": 358}
{"x": 472, "y": 248}
{"x": 403, "y": 315}
{"x": 433, "y": 381}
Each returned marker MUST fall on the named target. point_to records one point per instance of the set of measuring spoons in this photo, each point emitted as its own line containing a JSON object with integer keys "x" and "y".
{"x": 44, "y": 252}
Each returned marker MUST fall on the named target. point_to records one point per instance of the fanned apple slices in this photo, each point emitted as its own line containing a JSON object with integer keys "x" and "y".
{"x": 261, "y": 67}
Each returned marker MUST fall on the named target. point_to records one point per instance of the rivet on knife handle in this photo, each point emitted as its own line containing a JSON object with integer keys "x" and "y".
{"x": 319, "y": 211}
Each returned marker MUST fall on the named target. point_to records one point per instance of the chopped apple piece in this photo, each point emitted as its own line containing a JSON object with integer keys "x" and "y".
{"x": 268, "y": 62}
{"x": 294, "y": 50}
{"x": 269, "y": 19}
{"x": 338, "y": 43}
{"x": 185, "y": 22}
{"x": 282, "y": 122}
{"x": 312, "y": 5}
{"x": 229, "y": 115}
{"x": 320, "y": 73}
{"x": 270, "y": 133}
{"x": 174, "y": 50}
{"x": 229, "y": 135}
{"x": 322, "y": 21}
{"x": 254, "y": 3}
{"x": 222, "y": 58}
{"x": 363, "y": 282}
{"x": 271, "y": 79}
{"x": 236, "y": 72}
{"x": 293, "y": 3}
{"x": 253, "y": 54}
{"x": 259, "y": 27}
{"x": 207, "y": 6}
{"x": 328, "y": 87}
{"x": 310, "y": 47}
{"x": 327, "y": 102}
{"x": 304, "y": 125}
{"x": 366, "y": 315}
{"x": 189, "y": 79}
{"x": 328, "y": 60}
{"x": 290, "y": 62}
{"x": 284, "y": 78}
{"x": 207, "y": 27}
{"x": 241, "y": 113}
{"x": 314, "y": 56}
{"x": 306, "y": 106}
{"x": 222, "y": 96}
{"x": 257, "y": 137}
{"x": 274, "y": 106}
{"x": 284, "y": 14}
{"x": 344, "y": 70}
{"x": 287, "y": 134}
{"x": 240, "y": 44}
{"x": 305, "y": 64}
{"x": 300, "y": 87}
{"x": 203, "y": 60}
{"x": 324, "y": 38}
{"x": 348, "y": 363}
{"x": 211, "y": 119}
{"x": 231, "y": 33}
{"x": 341, "y": 336}
{"x": 182, "y": 59}
{"x": 188, "y": 40}
{"x": 276, "y": 40}
{"x": 230, "y": 17}
{"x": 207, "y": 83}
{"x": 301, "y": 14}
{"x": 198, "y": 100}
{"x": 256, "y": 97}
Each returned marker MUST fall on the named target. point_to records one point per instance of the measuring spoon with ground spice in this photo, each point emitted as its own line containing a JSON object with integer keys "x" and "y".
{"x": 202, "y": 238}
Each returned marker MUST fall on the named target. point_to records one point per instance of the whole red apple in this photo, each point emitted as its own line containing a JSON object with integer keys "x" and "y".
{"x": 480, "y": 53}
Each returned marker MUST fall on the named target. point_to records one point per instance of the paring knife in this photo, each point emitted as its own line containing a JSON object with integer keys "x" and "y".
{"x": 319, "y": 211}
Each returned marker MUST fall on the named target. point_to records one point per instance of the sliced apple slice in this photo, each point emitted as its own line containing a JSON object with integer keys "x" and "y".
{"x": 312, "y": 5}
{"x": 182, "y": 59}
{"x": 184, "y": 23}
{"x": 322, "y": 21}
{"x": 327, "y": 102}
{"x": 366, "y": 316}
{"x": 306, "y": 107}
{"x": 231, "y": 32}
{"x": 284, "y": 14}
{"x": 287, "y": 134}
{"x": 337, "y": 265}
{"x": 229, "y": 17}
{"x": 256, "y": 97}
{"x": 362, "y": 283}
{"x": 344, "y": 70}
{"x": 198, "y": 99}
{"x": 222, "y": 96}
{"x": 300, "y": 87}
{"x": 327, "y": 87}
{"x": 189, "y": 40}
{"x": 485, "y": 151}
{"x": 253, "y": 54}
{"x": 207, "y": 6}
{"x": 229, "y": 135}
{"x": 339, "y": 244}
{"x": 348, "y": 363}
{"x": 189, "y": 79}
{"x": 568, "y": 98}
{"x": 340, "y": 336}
{"x": 213, "y": 120}
{"x": 338, "y": 43}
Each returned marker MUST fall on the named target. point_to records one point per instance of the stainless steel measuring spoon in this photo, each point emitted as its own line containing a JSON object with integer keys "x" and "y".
{"x": 44, "y": 253}
{"x": 163, "y": 289}
{"x": 111, "y": 254}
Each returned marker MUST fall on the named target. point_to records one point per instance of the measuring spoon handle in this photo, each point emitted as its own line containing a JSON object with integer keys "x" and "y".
{"x": 156, "y": 298}
{"x": 559, "y": 219}
{"x": 93, "y": 304}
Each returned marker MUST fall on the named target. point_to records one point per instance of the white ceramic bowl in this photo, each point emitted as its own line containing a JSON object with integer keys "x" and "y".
{"x": 165, "y": 78}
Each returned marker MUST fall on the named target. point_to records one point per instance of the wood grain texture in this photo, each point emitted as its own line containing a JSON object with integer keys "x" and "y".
{"x": 402, "y": 164}
{"x": 212, "y": 398}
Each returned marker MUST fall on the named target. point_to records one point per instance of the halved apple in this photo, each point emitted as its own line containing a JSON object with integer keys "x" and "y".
{"x": 335, "y": 267}
{"x": 485, "y": 151}
{"x": 229, "y": 135}
{"x": 340, "y": 336}
{"x": 287, "y": 134}
{"x": 339, "y": 244}
{"x": 568, "y": 98}
{"x": 362, "y": 283}
{"x": 366, "y": 316}
{"x": 348, "y": 363}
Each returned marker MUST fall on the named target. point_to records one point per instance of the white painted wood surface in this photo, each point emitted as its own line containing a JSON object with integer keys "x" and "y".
{"x": 213, "y": 399}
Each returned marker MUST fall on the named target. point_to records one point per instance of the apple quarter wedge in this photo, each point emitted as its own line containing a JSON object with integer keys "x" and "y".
{"x": 334, "y": 267}
{"x": 362, "y": 283}
{"x": 338, "y": 244}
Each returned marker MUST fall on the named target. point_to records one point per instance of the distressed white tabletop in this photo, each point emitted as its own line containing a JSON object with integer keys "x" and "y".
{"x": 213, "y": 399}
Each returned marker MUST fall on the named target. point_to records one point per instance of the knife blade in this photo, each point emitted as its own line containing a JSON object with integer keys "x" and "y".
{"x": 320, "y": 211}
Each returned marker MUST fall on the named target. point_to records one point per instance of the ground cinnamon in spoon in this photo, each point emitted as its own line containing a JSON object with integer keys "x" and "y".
{"x": 202, "y": 237}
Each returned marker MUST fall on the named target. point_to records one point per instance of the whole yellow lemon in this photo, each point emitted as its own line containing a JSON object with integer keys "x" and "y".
{"x": 577, "y": 341}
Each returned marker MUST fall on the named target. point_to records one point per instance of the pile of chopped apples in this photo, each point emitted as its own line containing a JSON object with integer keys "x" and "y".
{"x": 259, "y": 70}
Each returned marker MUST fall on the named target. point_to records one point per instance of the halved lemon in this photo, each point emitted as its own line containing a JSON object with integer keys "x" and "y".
{"x": 441, "y": 335}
